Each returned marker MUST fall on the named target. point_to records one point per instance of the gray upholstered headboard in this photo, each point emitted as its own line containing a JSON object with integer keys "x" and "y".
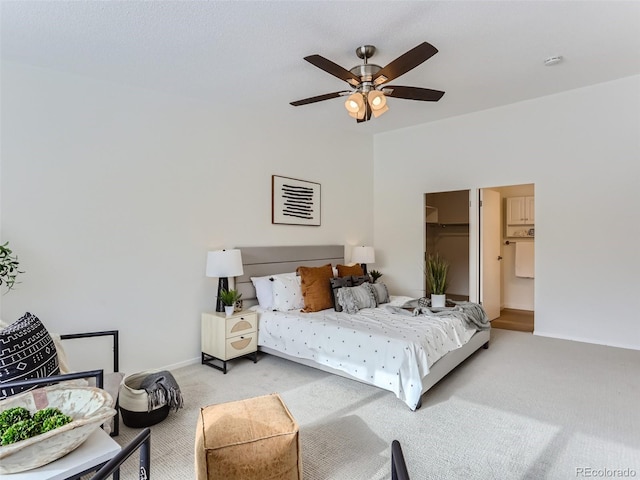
{"x": 261, "y": 261}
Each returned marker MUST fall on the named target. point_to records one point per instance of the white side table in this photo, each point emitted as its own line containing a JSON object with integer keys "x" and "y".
{"x": 224, "y": 338}
{"x": 96, "y": 450}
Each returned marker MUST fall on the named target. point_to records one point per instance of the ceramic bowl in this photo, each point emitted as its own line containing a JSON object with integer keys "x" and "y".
{"x": 89, "y": 407}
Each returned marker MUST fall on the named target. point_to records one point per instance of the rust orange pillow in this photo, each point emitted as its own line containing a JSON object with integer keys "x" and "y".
{"x": 345, "y": 270}
{"x": 316, "y": 287}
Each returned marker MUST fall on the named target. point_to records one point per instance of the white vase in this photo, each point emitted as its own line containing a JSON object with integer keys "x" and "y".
{"x": 228, "y": 309}
{"x": 438, "y": 301}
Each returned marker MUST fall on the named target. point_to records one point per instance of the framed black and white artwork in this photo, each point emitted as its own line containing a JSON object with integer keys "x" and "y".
{"x": 294, "y": 202}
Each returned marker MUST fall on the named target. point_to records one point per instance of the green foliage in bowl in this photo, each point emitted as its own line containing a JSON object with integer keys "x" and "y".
{"x": 17, "y": 423}
{"x": 11, "y": 416}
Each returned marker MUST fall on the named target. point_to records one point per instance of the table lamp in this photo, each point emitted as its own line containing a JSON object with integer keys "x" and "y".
{"x": 363, "y": 255}
{"x": 224, "y": 264}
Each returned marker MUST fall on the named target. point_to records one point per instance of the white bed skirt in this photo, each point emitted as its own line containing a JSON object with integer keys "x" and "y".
{"x": 437, "y": 371}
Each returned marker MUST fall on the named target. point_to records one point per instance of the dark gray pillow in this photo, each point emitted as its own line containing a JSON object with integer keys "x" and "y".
{"x": 337, "y": 283}
{"x": 359, "y": 279}
{"x": 27, "y": 352}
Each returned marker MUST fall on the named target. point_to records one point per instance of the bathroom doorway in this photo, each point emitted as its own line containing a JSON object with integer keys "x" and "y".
{"x": 509, "y": 257}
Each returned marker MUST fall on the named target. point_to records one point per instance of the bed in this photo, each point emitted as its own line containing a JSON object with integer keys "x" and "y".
{"x": 386, "y": 346}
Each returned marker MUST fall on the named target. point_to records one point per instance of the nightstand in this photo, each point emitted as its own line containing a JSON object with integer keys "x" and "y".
{"x": 225, "y": 338}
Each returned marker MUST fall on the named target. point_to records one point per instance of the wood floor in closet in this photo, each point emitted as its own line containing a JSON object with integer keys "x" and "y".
{"x": 512, "y": 319}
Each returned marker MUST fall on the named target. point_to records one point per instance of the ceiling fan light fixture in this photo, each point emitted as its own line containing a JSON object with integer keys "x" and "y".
{"x": 354, "y": 103}
{"x": 377, "y": 100}
{"x": 380, "y": 80}
{"x": 368, "y": 91}
{"x": 379, "y": 111}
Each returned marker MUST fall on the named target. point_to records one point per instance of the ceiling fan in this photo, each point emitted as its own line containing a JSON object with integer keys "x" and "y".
{"x": 368, "y": 82}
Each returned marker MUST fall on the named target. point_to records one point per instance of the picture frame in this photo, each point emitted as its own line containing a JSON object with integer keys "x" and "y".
{"x": 295, "y": 201}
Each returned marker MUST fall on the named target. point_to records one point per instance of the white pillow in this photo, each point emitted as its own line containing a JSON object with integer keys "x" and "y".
{"x": 287, "y": 293}
{"x": 264, "y": 288}
{"x": 264, "y": 291}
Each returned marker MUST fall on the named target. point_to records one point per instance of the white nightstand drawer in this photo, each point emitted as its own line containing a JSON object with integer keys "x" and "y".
{"x": 241, "y": 323}
{"x": 241, "y": 345}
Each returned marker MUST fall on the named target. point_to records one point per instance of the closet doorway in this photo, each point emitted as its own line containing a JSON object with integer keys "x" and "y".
{"x": 457, "y": 228}
{"x": 447, "y": 233}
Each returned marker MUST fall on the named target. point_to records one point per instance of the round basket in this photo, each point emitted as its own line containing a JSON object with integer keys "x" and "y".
{"x": 134, "y": 403}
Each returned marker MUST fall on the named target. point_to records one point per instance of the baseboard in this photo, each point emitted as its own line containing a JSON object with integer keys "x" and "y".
{"x": 583, "y": 340}
{"x": 529, "y": 308}
{"x": 184, "y": 363}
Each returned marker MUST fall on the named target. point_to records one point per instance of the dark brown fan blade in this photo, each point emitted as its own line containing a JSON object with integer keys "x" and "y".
{"x": 334, "y": 69}
{"x": 319, "y": 98}
{"x": 412, "y": 93}
{"x": 405, "y": 62}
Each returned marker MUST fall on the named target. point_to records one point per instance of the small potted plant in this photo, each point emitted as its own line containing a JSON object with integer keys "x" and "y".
{"x": 437, "y": 269}
{"x": 8, "y": 267}
{"x": 229, "y": 299}
{"x": 375, "y": 275}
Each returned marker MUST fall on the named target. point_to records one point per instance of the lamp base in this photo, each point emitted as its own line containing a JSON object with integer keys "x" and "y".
{"x": 223, "y": 284}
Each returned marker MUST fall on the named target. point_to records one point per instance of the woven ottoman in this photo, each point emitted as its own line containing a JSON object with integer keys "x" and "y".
{"x": 249, "y": 439}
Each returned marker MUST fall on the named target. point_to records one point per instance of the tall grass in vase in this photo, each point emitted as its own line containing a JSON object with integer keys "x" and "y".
{"x": 437, "y": 270}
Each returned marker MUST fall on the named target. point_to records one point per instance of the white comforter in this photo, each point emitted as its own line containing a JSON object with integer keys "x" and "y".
{"x": 385, "y": 349}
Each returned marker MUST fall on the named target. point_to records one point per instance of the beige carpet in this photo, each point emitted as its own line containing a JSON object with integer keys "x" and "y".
{"x": 526, "y": 408}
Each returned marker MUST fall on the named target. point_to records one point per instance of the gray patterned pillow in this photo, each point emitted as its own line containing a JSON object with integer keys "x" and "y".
{"x": 352, "y": 299}
{"x": 336, "y": 284}
{"x": 381, "y": 292}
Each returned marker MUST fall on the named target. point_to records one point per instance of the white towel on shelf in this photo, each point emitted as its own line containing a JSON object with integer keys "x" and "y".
{"x": 524, "y": 260}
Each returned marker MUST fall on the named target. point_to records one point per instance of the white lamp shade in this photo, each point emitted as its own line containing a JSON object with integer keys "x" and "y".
{"x": 354, "y": 103}
{"x": 380, "y": 111}
{"x": 363, "y": 255}
{"x": 224, "y": 263}
{"x": 377, "y": 100}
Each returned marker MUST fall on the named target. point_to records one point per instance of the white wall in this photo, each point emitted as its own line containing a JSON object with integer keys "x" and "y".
{"x": 581, "y": 150}
{"x": 111, "y": 196}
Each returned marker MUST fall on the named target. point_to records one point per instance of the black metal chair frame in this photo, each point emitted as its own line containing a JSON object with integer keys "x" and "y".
{"x": 112, "y": 467}
{"x": 116, "y": 365}
{"x": 97, "y": 374}
{"x": 398, "y": 465}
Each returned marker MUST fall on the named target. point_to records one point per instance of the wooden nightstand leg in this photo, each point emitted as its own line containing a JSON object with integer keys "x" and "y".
{"x": 255, "y": 357}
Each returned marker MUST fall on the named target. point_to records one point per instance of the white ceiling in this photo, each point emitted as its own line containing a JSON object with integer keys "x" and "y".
{"x": 248, "y": 55}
